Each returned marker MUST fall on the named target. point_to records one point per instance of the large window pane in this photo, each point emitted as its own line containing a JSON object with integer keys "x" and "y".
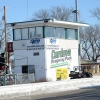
{"x": 32, "y": 33}
{"x": 60, "y": 33}
{"x": 49, "y": 32}
{"x": 25, "y": 33}
{"x": 39, "y": 32}
{"x": 71, "y": 34}
{"x": 17, "y": 34}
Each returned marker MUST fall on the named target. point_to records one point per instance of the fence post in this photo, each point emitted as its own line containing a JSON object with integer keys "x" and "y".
{"x": 4, "y": 79}
{"x": 15, "y": 78}
{"x": 28, "y": 70}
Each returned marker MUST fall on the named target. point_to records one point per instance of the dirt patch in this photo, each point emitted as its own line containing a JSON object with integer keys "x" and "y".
{"x": 96, "y": 74}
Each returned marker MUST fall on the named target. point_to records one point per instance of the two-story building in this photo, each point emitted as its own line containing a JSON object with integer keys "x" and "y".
{"x": 48, "y": 48}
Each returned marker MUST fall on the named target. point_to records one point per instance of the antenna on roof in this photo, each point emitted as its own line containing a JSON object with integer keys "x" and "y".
{"x": 27, "y": 10}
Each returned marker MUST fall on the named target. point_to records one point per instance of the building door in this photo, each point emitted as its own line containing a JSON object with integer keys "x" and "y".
{"x": 25, "y": 69}
{"x": 30, "y": 71}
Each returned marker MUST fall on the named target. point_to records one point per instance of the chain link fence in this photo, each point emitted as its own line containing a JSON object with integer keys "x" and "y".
{"x": 12, "y": 79}
{"x": 25, "y": 78}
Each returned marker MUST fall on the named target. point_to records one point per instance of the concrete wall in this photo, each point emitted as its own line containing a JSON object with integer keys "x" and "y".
{"x": 69, "y": 44}
{"x": 51, "y": 72}
{"x": 19, "y": 45}
{"x": 58, "y": 46}
{"x": 24, "y": 51}
{"x": 37, "y": 61}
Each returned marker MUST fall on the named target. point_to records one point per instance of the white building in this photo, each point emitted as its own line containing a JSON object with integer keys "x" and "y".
{"x": 48, "y": 47}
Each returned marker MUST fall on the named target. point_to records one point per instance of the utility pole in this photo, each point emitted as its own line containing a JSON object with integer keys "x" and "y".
{"x": 6, "y": 46}
{"x": 78, "y": 35}
{"x": 76, "y": 11}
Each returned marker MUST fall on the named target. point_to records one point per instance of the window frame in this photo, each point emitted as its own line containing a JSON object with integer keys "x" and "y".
{"x": 64, "y": 32}
{"x": 50, "y": 27}
{"x": 36, "y": 31}
{"x": 76, "y": 34}
{"x": 44, "y": 33}
{"x": 14, "y": 34}
{"x": 28, "y": 33}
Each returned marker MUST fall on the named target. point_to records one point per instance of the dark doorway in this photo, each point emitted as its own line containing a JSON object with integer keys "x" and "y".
{"x": 25, "y": 69}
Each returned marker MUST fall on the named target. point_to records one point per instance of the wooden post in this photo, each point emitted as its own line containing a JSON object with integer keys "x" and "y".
{"x": 6, "y": 47}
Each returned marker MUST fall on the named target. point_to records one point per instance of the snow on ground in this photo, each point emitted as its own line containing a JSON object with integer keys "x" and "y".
{"x": 96, "y": 76}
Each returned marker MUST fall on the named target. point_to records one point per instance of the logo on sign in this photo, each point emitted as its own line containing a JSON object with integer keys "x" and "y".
{"x": 52, "y": 41}
{"x": 35, "y": 41}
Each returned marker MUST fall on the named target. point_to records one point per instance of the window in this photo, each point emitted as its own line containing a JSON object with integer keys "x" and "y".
{"x": 17, "y": 34}
{"x": 24, "y": 33}
{"x": 60, "y": 33}
{"x": 28, "y": 69}
{"x": 31, "y": 69}
{"x": 39, "y": 32}
{"x": 36, "y": 54}
{"x": 32, "y": 33}
{"x": 49, "y": 32}
{"x": 71, "y": 34}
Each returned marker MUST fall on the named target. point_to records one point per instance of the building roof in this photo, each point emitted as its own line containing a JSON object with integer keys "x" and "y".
{"x": 88, "y": 62}
{"x": 48, "y": 21}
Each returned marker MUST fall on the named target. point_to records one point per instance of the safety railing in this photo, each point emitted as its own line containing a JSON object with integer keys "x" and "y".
{"x": 25, "y": 78}
{"x": 12, "y": 79}
{"x": 7, "y": 79}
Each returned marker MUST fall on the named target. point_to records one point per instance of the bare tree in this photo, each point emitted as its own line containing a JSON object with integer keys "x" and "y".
{"x": 96, "y": 13}
{"x": 2, "y": 37}
{"x": 62, "y": 13}
{"x": 41, "y": 14}
{"x": 57, "y": 12}
{"x": 90, "y": 40}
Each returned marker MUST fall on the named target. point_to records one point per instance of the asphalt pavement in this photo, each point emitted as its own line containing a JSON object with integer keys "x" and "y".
{"x": 81, "y": 94}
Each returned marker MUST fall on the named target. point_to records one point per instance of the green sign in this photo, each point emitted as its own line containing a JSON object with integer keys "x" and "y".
{"x": 60, "y": 58}
{"x": 59, "y": 54}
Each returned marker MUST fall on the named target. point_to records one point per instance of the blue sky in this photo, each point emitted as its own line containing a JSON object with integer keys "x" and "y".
{"x": 17, "y": 9}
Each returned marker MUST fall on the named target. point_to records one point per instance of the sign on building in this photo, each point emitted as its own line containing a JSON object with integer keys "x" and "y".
{"x": 10, "y": 47}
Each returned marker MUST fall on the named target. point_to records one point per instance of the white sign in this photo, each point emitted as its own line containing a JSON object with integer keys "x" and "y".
{"x": 52, "y": 44}
{"x": 35, "y": 44}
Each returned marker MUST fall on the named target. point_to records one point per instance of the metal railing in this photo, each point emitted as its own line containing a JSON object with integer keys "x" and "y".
{"x": 7, "y": 79}
{"x": 25, "y": 78}
{"x": 12, "y": 79}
